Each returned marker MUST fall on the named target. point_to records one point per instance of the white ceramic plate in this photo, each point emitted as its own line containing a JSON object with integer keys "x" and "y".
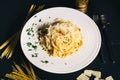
{"x": 34, "y": 53}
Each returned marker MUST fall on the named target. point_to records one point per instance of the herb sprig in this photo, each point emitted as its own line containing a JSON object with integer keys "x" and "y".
{"x": 44, "y": 61}
{"x": 30, "y": 45}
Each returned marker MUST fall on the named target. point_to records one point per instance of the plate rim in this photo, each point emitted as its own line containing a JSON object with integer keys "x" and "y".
{"x": 97, "y": 51}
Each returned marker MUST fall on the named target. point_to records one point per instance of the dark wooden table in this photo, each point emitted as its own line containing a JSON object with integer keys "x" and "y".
{"x": 13, "y": 12}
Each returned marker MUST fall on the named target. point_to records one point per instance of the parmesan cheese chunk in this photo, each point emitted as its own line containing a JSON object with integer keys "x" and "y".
{"x": 109, "y": 78}
{"x": 88, "y": 72}
{"x": 82, "y": 77}
{"x": 97, "y": 74}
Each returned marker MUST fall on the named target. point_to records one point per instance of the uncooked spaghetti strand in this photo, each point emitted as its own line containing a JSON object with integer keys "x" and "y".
{"x": 14, "y": 45}
{"x": 8, "y": 41}
{"x": 5, "y": 52}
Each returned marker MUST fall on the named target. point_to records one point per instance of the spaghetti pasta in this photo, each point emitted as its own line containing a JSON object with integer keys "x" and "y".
{"x": 60, "y": 38}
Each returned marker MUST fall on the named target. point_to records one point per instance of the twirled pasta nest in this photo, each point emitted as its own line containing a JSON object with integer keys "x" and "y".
{"x": 60, "y": 38}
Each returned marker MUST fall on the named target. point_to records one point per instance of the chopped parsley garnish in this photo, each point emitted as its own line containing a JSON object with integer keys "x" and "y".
{"x": 29, "y": 44}
{"x": 34, "y": 47}
{"x": 44, "y": 49}
{"x": 34, "y": 55}
{"x": 33, "y": 35}
{"x": 40, "y": 20}
{"x": 44, "y": 61}
{"x": 32, "y": 30}
{"x": 29, "y": 31}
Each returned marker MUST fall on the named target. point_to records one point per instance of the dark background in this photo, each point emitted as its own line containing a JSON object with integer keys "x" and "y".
{"x": 12, "y": 15}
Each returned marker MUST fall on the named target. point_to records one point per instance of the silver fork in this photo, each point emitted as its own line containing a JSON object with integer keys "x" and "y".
{"x": 97, "y": 20}
{"x": 105, "y": 24}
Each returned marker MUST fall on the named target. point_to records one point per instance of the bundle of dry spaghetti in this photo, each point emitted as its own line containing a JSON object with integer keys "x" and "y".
{"x": 11, "y": 43}
{"x": 19, "y": 74}
{"x": 62, "y": 38}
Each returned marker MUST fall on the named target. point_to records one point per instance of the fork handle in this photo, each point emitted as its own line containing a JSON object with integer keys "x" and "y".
{"x": 107, "y": 45}
{"x": 102, "y": 53}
